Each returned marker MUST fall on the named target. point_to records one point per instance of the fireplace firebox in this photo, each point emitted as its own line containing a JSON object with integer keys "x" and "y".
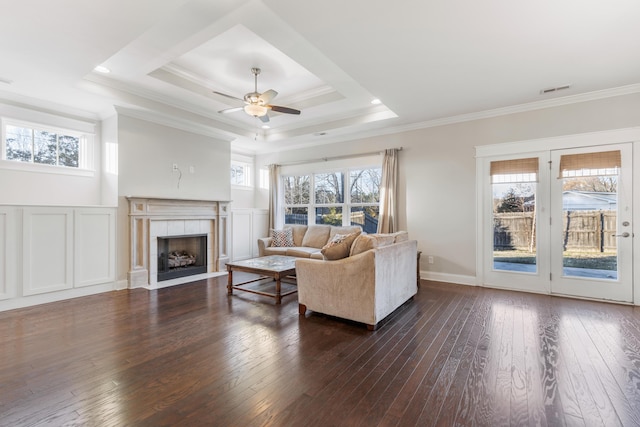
{"x": 180, "y": 256}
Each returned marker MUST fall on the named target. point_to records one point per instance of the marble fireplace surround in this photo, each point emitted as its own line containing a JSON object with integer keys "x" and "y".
{"x": 150, "y": 218}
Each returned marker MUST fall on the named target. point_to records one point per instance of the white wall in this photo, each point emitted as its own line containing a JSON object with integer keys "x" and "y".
{"x": 110, "y": 161}
{"x": 146, "y": 154}
{"x": 437, "y": 171}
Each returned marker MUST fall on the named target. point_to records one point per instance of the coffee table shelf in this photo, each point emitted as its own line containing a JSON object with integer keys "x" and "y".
{"x": 273, "y": 267}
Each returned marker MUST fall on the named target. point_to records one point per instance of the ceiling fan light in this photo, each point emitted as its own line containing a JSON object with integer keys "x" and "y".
{"x": 255, "y": 110}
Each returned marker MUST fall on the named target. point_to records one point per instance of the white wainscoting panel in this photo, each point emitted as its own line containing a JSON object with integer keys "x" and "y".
{"x": 247, "y": 225}
{"x": 260, "y": 228}
{"x": 7, "y": 253}
{"x": 95, "y": 251}
{"x": 241, "y": 224}
{"x": 47, "y": 250}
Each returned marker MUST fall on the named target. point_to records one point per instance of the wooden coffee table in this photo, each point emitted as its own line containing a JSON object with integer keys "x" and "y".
{"x": 276, "y": 267}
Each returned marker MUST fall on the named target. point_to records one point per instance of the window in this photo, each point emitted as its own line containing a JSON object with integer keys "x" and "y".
{"x": 240, "y": 174}
{"x": 29, "y": 143}
{"x": 341, "y": 197}
{"x": 514, "y": 193}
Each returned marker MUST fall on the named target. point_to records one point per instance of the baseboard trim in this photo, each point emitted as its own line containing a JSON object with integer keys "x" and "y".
{"x": 31, "y": 300}
{"x": 449, "y": 278}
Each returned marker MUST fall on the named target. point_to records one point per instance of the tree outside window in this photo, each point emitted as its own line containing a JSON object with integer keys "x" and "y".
{"x": 354, "y": 192}
{"x": 31, "y": 145}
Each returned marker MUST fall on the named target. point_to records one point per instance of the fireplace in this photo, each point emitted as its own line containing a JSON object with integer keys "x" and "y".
{"x": 180, "y": 256}
{"x": 151, "y": 220}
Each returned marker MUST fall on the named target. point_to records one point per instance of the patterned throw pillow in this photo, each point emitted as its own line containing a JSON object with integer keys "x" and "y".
{"x": 282, "y": 238}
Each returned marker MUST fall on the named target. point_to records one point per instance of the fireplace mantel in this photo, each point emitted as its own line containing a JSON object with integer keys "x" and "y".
{"x": 150, "y": 218}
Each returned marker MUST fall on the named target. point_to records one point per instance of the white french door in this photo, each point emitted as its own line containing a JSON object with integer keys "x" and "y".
{"x": 591, "y": 218}
{"x": 562, "y": 226}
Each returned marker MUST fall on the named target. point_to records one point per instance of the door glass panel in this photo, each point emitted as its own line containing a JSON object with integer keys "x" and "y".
{"x": 589, "y": 208}
{"x": 514, "y": 214}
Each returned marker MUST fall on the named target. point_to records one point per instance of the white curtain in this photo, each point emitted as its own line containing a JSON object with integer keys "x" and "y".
{"x": 388, "y": 219}
{"x": 274, "y": 172}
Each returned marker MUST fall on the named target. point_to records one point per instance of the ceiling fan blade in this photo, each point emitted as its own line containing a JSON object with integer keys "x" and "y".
{"x": 285, "y": 110}
{"x": 264, "y": 119}
{"x": 230, "y": 110}
{"x": 228, "y": 96}
{"x": 267, "y": 96}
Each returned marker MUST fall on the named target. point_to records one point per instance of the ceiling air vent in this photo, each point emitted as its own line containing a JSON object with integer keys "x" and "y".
{"x": 554, "y": 89}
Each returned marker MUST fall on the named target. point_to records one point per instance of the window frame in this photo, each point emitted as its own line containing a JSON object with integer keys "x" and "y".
{"x": 85, "y": 149}
{"x": 247, "y": 172}
{"x": 346, "y": 205}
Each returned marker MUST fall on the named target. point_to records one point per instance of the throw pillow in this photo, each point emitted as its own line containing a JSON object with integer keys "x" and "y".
{"x": 339, "y": 246}
{"x": 282, "y": 238}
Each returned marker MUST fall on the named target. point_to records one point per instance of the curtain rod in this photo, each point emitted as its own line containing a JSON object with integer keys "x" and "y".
{"x": 326, "y": 159}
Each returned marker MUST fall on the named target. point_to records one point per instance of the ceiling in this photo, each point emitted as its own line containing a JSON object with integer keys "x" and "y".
{"x": 428, "y": 61}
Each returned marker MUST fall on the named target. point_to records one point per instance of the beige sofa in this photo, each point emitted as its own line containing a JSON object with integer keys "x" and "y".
{"x": 308, "y": 241}
{"x": 365, "y": 288}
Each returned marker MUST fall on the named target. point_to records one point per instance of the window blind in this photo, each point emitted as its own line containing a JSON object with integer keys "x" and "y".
{"x": 590, "y": 164}
{"x": 515, "y": 170}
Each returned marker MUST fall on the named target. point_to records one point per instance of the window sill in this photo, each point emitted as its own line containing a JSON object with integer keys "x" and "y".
{"x": 37, "y": 168}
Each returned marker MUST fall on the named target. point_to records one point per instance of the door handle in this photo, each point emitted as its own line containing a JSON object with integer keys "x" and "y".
{"x": 625, "y": 234}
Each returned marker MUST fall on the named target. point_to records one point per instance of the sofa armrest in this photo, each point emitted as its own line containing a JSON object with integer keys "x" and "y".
{"x": 343, "y": 288}
{"x": 366, "y": 287}
{"x": 263, "y": 242}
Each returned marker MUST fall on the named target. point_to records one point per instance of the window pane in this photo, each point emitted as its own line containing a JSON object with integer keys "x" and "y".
{"x": 329, "y": 188}
{"x": 329, "y": 215}
{"x": 296, "y": 190}
{"x": 366, "y": 217}
{"x": 18, "y": 143}
{"x": 69, "y": 151}
{"x": 514, "y": 227}
{"x": 365, "y": 185}
{"x": 590, "y": 208}
{"x": 45, "y": 148}
{"x": 296, "y": 216}
{"x": 237, "y": 174}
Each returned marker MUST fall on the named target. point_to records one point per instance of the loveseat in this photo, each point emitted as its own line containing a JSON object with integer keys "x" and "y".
{"x": 377, "y": 278}
{"x": 306, "y": 242}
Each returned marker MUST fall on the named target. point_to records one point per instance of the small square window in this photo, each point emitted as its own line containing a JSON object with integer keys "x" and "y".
{"x": 240, "y": 174}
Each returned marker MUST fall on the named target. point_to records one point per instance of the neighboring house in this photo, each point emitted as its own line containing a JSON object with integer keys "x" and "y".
{"x": 588, "y": 201}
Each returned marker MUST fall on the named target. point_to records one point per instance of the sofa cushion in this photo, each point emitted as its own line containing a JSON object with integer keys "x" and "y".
{"x": 282, "y": 238}
{"x": 316, "y": 236}
{"x": 317, "y": 255}
{"x": 301, "y": 252}
{"x": 344, "y": 230}
{"x": 299, "y": 231}
{"x": 400, "y": 236}
{"x": 275, "y": 251}
{"x": 364, "y": 242}
{"x": 339, "y": 246}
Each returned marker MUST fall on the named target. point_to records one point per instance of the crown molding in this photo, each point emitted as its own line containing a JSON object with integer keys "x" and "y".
{"x": 497, "y": 112}
{"x": 520, "y": 108}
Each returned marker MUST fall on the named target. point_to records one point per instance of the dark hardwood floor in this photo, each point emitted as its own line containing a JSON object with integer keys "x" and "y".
{"x": 191, "y": 355}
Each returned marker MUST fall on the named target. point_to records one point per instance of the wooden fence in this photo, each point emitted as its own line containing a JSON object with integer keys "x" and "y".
{"x": 582, "y": 230}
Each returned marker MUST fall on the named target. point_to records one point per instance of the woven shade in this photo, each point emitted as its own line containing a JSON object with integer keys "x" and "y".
{"x": 515, "y": 166}
{"x": 513, "y": 171}
{"x": 601, "y": 160}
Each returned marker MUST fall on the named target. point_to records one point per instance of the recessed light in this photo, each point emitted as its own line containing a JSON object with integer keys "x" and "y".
{"x": 266, "y": 127}
{"x": 376, "y": 101}
{"x": 102, "y": 69}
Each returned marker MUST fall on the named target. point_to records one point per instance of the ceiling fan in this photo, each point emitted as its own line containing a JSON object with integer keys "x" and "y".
{"x": 257, "y": 104}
